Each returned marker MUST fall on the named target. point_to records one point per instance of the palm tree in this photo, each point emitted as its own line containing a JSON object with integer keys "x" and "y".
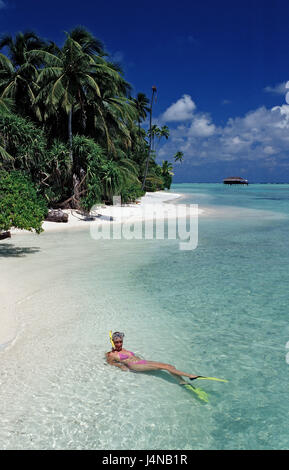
{"x": 154, "y": 90}
{"x": 141, "y": 103}
{"x": 179, "y": 157}
{"x": 89, "y": 44}
{"x": 114, "y": 176}
{"x": 74, "y": 80}
{"x": 164, "y": 132}
{"x": 18, "y": 73}
{"x": 155, "y": 131}
{"x": 66, "y": 79}
{"x": 167, "y": 173}
{"x": 22, "y": 43}
{"x": 167, "y": 168}
{"x": 18, "y": 84}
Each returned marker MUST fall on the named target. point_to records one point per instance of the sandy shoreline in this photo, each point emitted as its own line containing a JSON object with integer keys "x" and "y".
{"x": 152, "y": 205}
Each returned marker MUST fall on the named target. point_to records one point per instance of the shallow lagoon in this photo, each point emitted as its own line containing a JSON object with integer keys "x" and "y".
{"x": 220, "y": 310}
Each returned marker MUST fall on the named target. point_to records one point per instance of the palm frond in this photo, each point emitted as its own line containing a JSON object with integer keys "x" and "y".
{"x": 57, "y": 90}
{"x": 6, "y": 64}
{"x": 45, "y": 56}
{"x": 92, "y": 83}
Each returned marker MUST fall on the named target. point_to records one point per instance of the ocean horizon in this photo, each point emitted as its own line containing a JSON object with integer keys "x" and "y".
{"x": 219, "y": 310}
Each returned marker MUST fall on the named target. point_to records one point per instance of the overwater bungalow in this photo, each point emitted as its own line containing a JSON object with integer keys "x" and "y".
{"x": 235, "y": 180}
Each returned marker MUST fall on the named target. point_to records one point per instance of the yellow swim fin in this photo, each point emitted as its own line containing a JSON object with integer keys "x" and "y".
{"x": 198, "y": 391}
{"x": 210, "y": 378}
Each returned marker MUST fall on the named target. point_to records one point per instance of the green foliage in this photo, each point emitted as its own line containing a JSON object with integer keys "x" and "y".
{"x": 154, "y": 180}
{"x": 112, "y": 179}
{"x": 167, "y": 173}
{"x": 131, "y": 192}
{"x": 167, "y": 181}
{"x": 91, "y": 156}
{"x": 24, "y": 142}
{"x": 67, "y": 120}
{"x": 86, "y": 151}
{"x": 179, "y": 157}
{"x": 56, "y": 175}
{"x": 20, "y": 204}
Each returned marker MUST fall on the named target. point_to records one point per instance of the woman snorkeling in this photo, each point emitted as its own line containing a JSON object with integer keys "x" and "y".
{"x": 127, "y": 360}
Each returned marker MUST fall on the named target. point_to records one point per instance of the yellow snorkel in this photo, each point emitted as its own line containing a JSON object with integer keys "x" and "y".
{"x": 111, "y": 340}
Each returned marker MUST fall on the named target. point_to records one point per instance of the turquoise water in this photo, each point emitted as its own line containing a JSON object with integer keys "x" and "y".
{"x": 219, "y": 310}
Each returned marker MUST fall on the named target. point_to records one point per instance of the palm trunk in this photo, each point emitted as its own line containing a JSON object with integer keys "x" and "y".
{"x": 75, "y": 197}
{"x": 150, "y": 143}
{"x": 70, "y": 135}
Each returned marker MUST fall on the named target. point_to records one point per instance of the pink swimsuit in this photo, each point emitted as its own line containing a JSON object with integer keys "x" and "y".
{"x": 122, "y": 357}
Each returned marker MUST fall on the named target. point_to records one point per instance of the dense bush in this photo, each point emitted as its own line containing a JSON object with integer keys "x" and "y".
{"x": 131, "y": 192}
{"x": 21, "y": 205}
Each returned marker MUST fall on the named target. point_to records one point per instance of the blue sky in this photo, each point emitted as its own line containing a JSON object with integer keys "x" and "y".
{"x": 220, "y": 68}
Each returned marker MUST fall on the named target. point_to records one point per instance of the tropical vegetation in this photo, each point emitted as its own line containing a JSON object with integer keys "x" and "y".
{"x": 20, "y": 205}
{"x": 70, "y": 131}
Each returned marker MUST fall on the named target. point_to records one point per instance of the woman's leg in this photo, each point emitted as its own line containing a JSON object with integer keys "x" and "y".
{"x": 152, "y": 365}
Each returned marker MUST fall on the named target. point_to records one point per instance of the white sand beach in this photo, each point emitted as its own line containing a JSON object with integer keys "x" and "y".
{"x": 152, "y": 205}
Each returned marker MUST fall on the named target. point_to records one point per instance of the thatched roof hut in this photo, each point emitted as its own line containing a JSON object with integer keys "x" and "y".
{"x": 235, "y": 180}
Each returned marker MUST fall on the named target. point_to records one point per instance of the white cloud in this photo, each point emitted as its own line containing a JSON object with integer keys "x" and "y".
{"x": 2, "y": 5}
{"x": 182, "y": 110}
{"x": 261, "y": 135}
{"x": 279, "y": 89}
{"x": 269, "y": 150}
{"x": 202, "y": 127}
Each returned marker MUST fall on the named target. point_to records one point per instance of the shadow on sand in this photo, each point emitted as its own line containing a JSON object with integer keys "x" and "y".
{"x": 160, "y": 374}
{"x": 8, "y": 250}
